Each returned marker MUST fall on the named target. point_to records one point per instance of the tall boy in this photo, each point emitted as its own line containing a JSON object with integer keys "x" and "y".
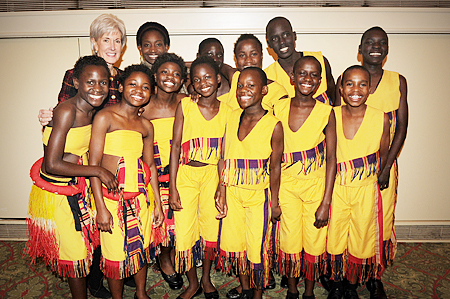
{"x": 252, "y": 158}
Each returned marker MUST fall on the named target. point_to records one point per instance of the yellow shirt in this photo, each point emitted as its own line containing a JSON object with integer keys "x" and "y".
{"x": 77, "y": 139}
{"x": 163, "y": 128}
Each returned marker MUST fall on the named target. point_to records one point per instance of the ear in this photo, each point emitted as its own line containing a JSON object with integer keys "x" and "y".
{"x": 359, "y": 49}
{"x": 167, "y": 48}
{"x": 76, "y": 83}
{"x": 291, "y": 75}
{"x": 264, "y": 90}
{"x": 295, "y": 35}
{"x": 140, "y": 49}
{"x": 120, "y": 88}
{"x": 95, "y": 45}
{"x": 219, "y": 78}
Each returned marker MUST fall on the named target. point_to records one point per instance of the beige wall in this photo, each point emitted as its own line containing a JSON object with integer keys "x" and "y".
{"x": 36, "y": 49}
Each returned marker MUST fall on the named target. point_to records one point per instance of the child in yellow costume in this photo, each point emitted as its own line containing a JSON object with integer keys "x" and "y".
{"x": 59, "y": 223}
{"x": 248, "y": 52}
{"x": 281, "y": 39}
{"x": 355, "y": 228}
{"x": 253, "y": 145}
{"x": 307, "y": 179}
{"x": 169, "y": 73}
{"x": 195, "y": 161}
{"x": 120, "y": 137}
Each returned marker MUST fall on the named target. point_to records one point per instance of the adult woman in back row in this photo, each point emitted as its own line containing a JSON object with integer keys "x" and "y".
{"x": 107, "y": 37}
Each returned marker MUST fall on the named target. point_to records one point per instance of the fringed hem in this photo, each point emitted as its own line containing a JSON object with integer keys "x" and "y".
{"x": 244, "y": 172}
{"x": 389, "y": 251}
{"x": 313, "y": 266}
{"x": 350, "y": 267}
{"x": 42, "y": 242}
{"x": 74, "y": 269}
{"x": 208, "y": 249}
{"x": 126, "y": 268}
{"x": 169, "y": 240}
{"x": 301, "y": 265}
{"x": 185, "y": 260}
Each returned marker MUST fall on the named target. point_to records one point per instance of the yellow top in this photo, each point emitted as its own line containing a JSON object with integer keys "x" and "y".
{"x": 247, "y": 161}
{"x": 358, "y": 158}
{"x": 276, "y": 73}
{"x": 129, "y": 145}
{"x": 77, "y": 139}
{"x": 163, "y": 128}
{"x": 387, "y": 98}
{"x": 202, "y": 139}
{"x": 304, "y": 150}
{"x": 276, "y": 92}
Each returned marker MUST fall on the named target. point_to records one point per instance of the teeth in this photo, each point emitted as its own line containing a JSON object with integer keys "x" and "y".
{"x": 206, "y": 89}
{"x": 168, "y": 84}
{"x": 153, "y": 56}
{"x": 245, "y": 98}
{"x": 284, "y": 50}
{"x": 111, "y": 54}
{"x": 306, "y": 85}
{"x": 375, "y": 54}
{"x": 355, "y": 97}
{"x": 137, "y": 98}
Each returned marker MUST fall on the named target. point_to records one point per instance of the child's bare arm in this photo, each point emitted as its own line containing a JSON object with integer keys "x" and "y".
{"x": 277, "y": 143}
{"x": 323, "y": 211}
{"x": 227, "y": 71}
{"x": 331, "y": 92}
{"x": 384, "y": 149}
{"x": 220, "y": 196}
{"x": 148, "y": 157}
{"x": 337, "y": 97}
{"x": 99, "y": 128}
{"x": 174, "y": 198}
{"x": 400, "y": 133}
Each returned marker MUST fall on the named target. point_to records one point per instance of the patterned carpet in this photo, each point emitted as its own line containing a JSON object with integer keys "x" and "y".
{"x": 421, "y": 270}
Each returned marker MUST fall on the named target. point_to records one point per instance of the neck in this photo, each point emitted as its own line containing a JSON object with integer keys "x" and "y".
{"x": 83, "y": 105}
{"x": 302, "y": 100}
{"x": 254, "y": 112}
{"x": 373, "y": 68}
{"x": 127, "y": 110}
{"x": 165, "y": 98}
{"x": 355, "y": 111}
{"x": 208, "y": 101}
{"x": 112, "y": 70}
{"x": 289, "y": 61}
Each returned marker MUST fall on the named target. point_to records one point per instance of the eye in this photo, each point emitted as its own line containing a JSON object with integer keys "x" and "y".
{"x": 104, "y": 83}
{"x": 274, "y": 38}
{"x": 159, "y": 45}
{"x": 239, "y": 85}
{"x": 241, "y": 55}
{"x": 164, "y": 72}
{"x": 145, "y": 87}
{"x": 177, "y": 74}
{"x": 349, "y": 84}
{"x": 219, "y": 55}
{"x": 196, "y": 80}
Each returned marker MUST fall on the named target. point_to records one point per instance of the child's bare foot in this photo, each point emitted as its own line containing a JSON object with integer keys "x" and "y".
{"x": 141, "y": 295}
{"x": 191, "y": 292}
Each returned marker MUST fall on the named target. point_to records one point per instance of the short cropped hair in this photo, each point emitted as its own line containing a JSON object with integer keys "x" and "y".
{"x": 277, "y": 19}
{"x": 207, "y": 41}
{"x": 134, "y": 68}
{"x": 247, "y": 36}
{"x": 149, "y": 26}
{"x": 169, "y": 57}
{"x": 260, "y": 72}
{"x": 204, "y": 60}
{"x": 107, "y": 23}
{"x": 85, "y": 61}
{"x": 369, "y": 30}
{"x": 354, "y": 67}
{"x": 308, "y": 57}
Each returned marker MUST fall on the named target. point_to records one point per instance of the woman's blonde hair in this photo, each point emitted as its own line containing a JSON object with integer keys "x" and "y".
{"x": 107, "y": 23}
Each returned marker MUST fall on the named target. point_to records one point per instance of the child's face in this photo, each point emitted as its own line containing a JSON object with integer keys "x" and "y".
{"x": 250, "y": 89}
{"x": 93, "y": 84}
{"x": 205, "y": 80}
{"x": 215, "y": 51}
{"x": 355, "y": 87}
{"x": 306, "y": 77}
{"x": 281, "y": 38}
{"x": 168, "y": 77}
{"x": 374, "y": 47}
{"x": 109, "y": 46}
{"x": 152, "y": 46}
{"x": 136, "y": 89}
{"x": 248, "y": 54}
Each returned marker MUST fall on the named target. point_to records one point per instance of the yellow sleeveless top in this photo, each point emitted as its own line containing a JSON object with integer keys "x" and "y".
{"x": 276, "y": 73}
{"x": 202, "y": 139}
{"x": 77, "y": 139}
{"x": 128, "y": 145}
{"x": 358, "y": 159}
{"x": 276, "y": 92}
{"x": 304, "y": 150}
{"x": 247, "y": 161}
{"x": 387, "y": 98}
{"x": 163, "y": 128}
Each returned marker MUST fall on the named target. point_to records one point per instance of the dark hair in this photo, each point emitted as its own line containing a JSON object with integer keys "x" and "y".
{"x": 277, "y": 19}
{"x": 247, "y": 36}
{"x": 148, "y": 26}
{"x": 262, "y": 75}
{"x": 169, "y": 57}
{"x": 84, "y": 61}
{"x": 308, "y": 57}
{"x": 354, "y": 67}
{"x": 205, "y": 60}
{"x": 134, "y": 68}
{"x": 369, "y": 30}
{"x": 207, "y": 41}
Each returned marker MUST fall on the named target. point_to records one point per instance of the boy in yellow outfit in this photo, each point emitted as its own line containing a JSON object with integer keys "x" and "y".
{"x": 250, "y": 186}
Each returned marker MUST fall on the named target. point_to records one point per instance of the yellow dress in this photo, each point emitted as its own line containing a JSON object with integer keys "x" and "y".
{"x": 300, "y": 246}
{"x": 354, "y": 235}
{"x": 245, "y": 232}
{"x": 276, "y": 73}
{"x": 56, "y": 234}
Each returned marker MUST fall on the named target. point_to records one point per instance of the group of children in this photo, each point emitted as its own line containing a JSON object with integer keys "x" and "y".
{"x": 267, "y": 176}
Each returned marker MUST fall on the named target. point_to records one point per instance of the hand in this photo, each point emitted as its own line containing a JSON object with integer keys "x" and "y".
{"x": 158, "y": 216}
{"x": 45, "y": 116}
{"x": 105, "y": 221}
{"x": 109, "y": 180}
{"x": 276, "y": 213}
{"x": 174, "y": 199}
{"x": 383, "y": 178}
{"x": 322, "y": 215}
{"x": 221, "y": 202}
{"x": 194, "y": 97}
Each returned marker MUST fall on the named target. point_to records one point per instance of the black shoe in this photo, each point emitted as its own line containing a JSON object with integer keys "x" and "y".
{"x": 174, "y": 280}
{"x": 336, "y": 290}
{"x": 290, "y": 295}
{"x": 308, "y": 297}
{"x": 325, "y": 282}
{"x": 233, "y": 294}
{"x": 284, "y": 282}
{"x": 212, "y": 295}
{"x": 350, "y": 294}
{"x": 100, "y": 292}
{"x": 376, "y": 289}
{"x": 272, "y": 284}
{"x": 129, "y": 282}
{"x": 197, "y": 293}
{"x": 247, "y": 294}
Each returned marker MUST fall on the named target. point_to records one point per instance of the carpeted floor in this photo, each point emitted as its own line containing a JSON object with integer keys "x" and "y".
{"x": 421, "y": 270}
